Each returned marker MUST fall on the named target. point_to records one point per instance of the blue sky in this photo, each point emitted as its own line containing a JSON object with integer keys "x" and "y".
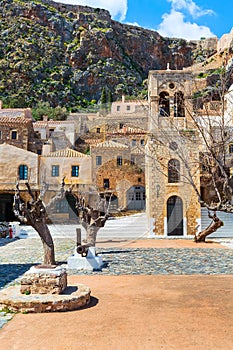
{"x": 187, "y": 19}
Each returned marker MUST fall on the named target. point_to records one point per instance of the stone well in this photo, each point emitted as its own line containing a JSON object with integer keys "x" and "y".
{"x": 44, "y": 290}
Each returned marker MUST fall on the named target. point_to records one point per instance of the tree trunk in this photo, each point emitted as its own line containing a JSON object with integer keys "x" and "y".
{"x": 214, "y": 226}
{"x": 91, "y": 234}
{"x": 47, "y": 241}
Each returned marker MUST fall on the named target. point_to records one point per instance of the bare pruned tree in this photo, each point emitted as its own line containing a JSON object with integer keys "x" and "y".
{"x": 34, "y": 214}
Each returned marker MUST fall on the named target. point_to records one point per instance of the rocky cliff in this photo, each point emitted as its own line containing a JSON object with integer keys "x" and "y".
{"x": 66, "y": 54}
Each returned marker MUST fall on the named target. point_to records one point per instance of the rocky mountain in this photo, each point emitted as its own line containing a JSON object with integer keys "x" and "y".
{"x": 66, "y": 54}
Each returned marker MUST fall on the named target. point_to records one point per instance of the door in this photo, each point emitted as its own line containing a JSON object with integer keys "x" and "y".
{"x": 136, "y": 198}
{"x": 174, "y": 216}
{"x": 6, "y": 208}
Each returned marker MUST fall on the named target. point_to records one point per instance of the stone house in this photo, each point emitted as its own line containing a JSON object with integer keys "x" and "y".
{"x": 76, "y": 167}
{"x": 61, "y": 133}
{"x": 114, "y": 173}
{"x": 16, "y": 128}
{"x": 172, "y": 205}
{"x": 16, "y": 164}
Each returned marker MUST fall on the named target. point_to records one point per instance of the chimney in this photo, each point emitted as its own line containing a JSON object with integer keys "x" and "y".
{"x": 123, "y": 98}
{"x": 0, "y": 104}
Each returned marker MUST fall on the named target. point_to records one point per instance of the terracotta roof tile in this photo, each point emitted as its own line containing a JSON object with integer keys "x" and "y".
{"x": 66, "y": 153}
{"x": 111, "y": 144}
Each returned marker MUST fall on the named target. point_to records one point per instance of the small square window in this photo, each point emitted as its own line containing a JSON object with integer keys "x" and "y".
{"x": 106, "y": 183}
{"x": 55, "y": 170}
{"x": 134, "y": 142}
{"x": 231, "y": 148}
{"x": 23, "y": 172}
{"x": 118, "y": 108}
{"x": 75, "y": 171}
{"x": 14, "y": 135}
{"x": 128, "y": 108}
{"x": 0, "y": 134}
{"x": 142, "y": 142}
{"x": 132, "y": 160}
{"x": 119, "y": 160}
{"x": 98, "y": 130}
{"x": 98, "y": 160}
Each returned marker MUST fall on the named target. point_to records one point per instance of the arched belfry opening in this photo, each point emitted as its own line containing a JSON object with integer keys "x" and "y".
{"x": 179, "y": 110}
{"x": 164, "y": 104}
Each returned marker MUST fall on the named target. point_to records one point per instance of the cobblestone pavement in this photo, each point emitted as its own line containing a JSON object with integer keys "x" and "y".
{"x": 18, "y": 255}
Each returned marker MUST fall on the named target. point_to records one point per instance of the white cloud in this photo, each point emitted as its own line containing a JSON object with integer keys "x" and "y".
{"x": 118, "y": 9}
{"x": 174, "y": 25}
{"x": 193, "y": 9}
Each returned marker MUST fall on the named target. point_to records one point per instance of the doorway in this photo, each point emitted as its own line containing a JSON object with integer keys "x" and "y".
{"x": 174, "y": 216}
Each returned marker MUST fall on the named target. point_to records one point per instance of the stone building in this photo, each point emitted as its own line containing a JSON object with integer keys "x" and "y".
{"x": 16, "y": 128}
{"x": 16, "y": 164}
{"x": 61, "y": 133}
{"x": 172, "y": 205}
{"x": 115, "y": 173}
{"x": 75, "y": 167}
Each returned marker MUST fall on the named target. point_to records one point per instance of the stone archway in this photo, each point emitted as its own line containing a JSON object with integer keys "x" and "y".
{"x": 175, "y": 216}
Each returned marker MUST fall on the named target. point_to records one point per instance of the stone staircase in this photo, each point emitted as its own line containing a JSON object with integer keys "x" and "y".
{"x": 224, "y": 231}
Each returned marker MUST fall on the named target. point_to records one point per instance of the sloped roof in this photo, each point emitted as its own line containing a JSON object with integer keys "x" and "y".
{"x": 137, "y": 150}
{"x": 66, "y": 153}
{"x": 43, "y": 123}
{"x": 110, "y": 144}
{"x": 14, "y": 121}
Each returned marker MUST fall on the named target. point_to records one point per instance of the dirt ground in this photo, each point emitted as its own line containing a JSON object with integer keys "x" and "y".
{"x": 146, "y": 312}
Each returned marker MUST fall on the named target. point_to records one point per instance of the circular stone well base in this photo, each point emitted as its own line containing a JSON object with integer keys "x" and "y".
{"x": 73, "y": 298}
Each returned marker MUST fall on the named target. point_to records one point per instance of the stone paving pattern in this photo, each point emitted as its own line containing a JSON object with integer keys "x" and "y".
{"x": 18, "y": 255}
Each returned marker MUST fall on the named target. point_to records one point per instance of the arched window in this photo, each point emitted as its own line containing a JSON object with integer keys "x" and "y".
{"x": 23, "y": 172}
{"x": 164, "y": 104}
{"x": 179, "y": 104}
{"x": 173, "y": 171}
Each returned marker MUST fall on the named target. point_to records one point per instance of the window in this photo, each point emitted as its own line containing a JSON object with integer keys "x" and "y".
{"x": 121, "y": 125}
{"x": 139, "y": 179}
{"x": 119, "y": 160}
{"x": 128, "y": 108}
{"x": 62, "y": 206}
{"x": 23, "y": 172}
{"x": 98, "y": 130}
{"x": 0, "y": 134}
{"x": 106, "y": 183}
{"x": 179, "y": 104}
{"x": 142, "y": 142}
{"x": 134, "y": 142}
{"x": 132, "y": 159}
{"x": 138, "y": 196}
{"x": 14, "y": 135}
{"x": 231, "y": 148}
{"x": 173, "y": 171}
{"x": 51, "y": 132}
{"x": 75, "y": 170}
{"x": 98, "y": 160}
{"x": 55, "y": 170}
{"x": 164, "y": 104}
{"x": 118, "y": 108}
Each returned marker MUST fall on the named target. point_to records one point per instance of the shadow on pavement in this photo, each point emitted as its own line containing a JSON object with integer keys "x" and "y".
{"x": 5, "y": 241}
{"x": 10, "y": 272}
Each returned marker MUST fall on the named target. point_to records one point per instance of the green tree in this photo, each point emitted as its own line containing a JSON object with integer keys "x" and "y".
{"x": 44, "y": 108}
